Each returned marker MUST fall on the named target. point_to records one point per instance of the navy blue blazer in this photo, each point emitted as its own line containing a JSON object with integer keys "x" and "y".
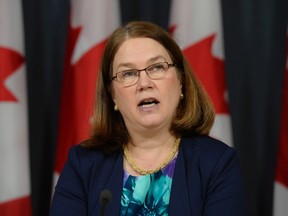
{"x": 207, "y": 181}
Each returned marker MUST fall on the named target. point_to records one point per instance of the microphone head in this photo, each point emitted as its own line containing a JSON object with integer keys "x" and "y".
{"x": 105, "y": 196}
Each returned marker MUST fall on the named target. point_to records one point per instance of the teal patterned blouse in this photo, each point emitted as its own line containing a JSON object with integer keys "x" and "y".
{"x": 147, "y": 195}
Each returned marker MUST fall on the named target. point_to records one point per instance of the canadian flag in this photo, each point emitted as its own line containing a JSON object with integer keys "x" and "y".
{"x": 196, "y": 26}
{"x": 14, "y": 154}
{"x": 281, "y": 178}
{"x": 91, "y": 22}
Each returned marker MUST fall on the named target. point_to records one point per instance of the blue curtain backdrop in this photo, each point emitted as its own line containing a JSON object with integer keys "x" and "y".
{"x": 254, "y": 38}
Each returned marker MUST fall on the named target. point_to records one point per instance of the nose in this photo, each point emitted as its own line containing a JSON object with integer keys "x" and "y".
{"x": 144, "y": 80}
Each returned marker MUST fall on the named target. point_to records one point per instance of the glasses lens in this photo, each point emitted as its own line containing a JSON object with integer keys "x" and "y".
{"x": 158, "y": 70}
{"x": 128, "y": 77}
{"x": 154, "y": 71}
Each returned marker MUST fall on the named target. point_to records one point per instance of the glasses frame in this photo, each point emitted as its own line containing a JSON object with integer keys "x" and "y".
{"x": 115, "y": 77}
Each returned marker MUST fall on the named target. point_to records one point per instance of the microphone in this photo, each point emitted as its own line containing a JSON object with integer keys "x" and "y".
{"x": 105, "y": 198}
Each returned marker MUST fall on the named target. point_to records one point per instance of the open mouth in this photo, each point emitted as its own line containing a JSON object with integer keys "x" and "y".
{"x": 147, "y": 103}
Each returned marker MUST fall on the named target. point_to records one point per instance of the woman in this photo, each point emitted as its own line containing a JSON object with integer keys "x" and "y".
{"x": 149, "y": 145}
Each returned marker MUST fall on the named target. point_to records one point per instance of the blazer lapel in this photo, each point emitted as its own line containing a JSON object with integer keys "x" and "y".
{"x": 115, "y": 185}
{"x": 179, "y": 201}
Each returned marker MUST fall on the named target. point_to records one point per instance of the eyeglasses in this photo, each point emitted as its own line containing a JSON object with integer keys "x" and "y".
{"x": 155, "y": 72}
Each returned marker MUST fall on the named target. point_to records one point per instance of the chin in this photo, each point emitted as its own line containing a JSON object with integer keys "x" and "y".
{"x": 153, "y": 123}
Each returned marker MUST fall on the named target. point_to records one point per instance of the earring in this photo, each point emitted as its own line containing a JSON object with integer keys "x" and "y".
{"x": 181, "y": 96}
{"x": 115, "y": 107}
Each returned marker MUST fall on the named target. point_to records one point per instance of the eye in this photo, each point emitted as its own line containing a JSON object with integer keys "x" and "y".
{"x": 128, "y": 74}
{"x": 157, "y": 67}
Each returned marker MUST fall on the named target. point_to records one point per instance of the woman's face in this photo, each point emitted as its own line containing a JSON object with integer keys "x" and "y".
{"x": 148, "y": 104}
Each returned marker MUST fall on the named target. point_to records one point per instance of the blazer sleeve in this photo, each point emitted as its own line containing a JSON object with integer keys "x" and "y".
{"x": 225, "y": 192}
{"x": 69, "y": 196}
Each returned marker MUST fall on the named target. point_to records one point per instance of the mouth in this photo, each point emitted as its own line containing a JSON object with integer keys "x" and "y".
{"x": 148, "y": 103}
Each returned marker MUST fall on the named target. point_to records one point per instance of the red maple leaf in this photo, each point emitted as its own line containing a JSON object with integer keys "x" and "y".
{"x": 77, "y": 96}
{"x": 17, "y": 207}
{"x": 10, "y": 61}
{"x": 210, "y": 71}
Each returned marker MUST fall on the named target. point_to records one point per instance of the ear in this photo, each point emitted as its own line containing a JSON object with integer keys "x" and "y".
{"x": 180, "y": 86}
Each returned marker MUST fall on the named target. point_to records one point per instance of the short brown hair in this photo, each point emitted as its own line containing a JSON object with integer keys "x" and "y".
{"x": 194, "y": 115}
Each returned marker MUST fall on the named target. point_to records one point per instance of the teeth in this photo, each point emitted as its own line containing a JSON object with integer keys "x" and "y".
{"x": 148, "y": 105}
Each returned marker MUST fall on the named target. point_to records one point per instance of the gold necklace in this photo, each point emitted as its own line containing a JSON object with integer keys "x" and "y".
{"x": 140, "y": 171}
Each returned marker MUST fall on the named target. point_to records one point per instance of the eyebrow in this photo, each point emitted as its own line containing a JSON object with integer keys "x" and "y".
{"x": 150, "y": 61}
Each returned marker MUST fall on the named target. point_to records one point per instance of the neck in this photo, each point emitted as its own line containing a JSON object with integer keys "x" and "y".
{"x": 149, "y": 165}
{"x": 148, "y": 153}
{"x": 150, "y": 140}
